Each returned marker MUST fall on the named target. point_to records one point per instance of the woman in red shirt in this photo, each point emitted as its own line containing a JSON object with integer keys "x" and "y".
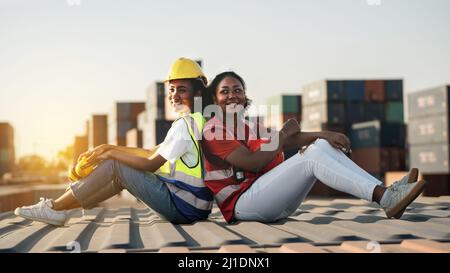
{"x": 246, "y": 171}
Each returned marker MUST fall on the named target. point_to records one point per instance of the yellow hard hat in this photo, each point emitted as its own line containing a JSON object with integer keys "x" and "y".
{"x": 81, "y": 170}
{"x": 185, "y": 68}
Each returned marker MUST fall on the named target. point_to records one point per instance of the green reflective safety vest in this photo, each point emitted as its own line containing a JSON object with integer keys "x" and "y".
{"x": 186, "y": 184}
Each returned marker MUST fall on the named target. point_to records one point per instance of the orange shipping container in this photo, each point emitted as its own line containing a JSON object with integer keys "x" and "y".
{"x": 374, "y": 91}
{"x": 137, "y": 108}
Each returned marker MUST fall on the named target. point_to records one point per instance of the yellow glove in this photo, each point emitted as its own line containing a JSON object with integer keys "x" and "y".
{"x": 81, "y": 169}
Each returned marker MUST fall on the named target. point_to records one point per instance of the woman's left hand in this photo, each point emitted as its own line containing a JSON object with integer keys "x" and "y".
{"x": 338, "y": 141}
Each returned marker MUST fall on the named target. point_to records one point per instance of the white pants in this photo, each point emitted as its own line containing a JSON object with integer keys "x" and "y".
{"x": 279, "y": 192}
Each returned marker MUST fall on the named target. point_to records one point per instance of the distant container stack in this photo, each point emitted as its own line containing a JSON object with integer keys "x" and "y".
{"x": 134, "y": 138}
{"x": 156, "y": 120}
{"x": 428, "y": 137}
{"x": 378, "y": 147}
{"x": 153, "y": 131}
{"x": 80, "y": 145}
{"x": 7, "y": 151}
{"x": 364, "y": 110}
{"x": 98, "y": 130}
{"x": 156, "y": 100}
{"x": 337, "y": 104}
{"x": 281, "y": 108}
{"x": 122, "y": 119}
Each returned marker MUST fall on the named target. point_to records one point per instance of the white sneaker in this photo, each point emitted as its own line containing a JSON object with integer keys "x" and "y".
{"x": 399, "y": 196}
{"x": 42, "y": 212}
{"x": 410, "y": 177}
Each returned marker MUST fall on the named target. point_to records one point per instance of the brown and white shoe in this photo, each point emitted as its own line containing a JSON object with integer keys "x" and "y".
{"x": 400, "y": 195}
{"x": 411, "y": 177}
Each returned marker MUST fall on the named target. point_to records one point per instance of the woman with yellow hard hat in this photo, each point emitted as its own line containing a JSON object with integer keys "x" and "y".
{"x": 167, "y": 178}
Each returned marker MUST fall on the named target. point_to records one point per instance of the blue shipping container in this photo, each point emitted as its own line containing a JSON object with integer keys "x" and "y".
{"x": 354, "y": 90}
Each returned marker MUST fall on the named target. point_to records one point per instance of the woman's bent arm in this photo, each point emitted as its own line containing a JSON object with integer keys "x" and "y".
{"x": 145, "y": 164}
{"x": 136, "y": 151}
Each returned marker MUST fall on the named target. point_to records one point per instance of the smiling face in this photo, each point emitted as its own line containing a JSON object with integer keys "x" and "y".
{"x": 181, "y": 95}
{"x": 230, "y": 95}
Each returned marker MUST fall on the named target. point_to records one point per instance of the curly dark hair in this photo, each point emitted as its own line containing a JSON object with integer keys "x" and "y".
{"x": 212, "y": 87}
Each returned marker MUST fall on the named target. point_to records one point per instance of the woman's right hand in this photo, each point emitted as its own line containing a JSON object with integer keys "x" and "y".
{"x": 92, "y": 154}
{"x": 291, "y": 127}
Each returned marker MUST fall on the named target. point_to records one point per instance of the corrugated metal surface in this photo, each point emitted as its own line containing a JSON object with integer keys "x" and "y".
{"x": 340, "y": 225}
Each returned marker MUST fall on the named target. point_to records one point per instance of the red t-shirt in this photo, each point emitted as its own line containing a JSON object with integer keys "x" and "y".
{"x": 218, "y": 143}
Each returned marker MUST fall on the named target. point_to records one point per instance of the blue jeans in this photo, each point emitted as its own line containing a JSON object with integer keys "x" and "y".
{"x": 111, "y": 177}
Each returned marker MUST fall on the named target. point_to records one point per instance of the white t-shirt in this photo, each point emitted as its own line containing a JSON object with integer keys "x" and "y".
{"x": 178, "y": 143}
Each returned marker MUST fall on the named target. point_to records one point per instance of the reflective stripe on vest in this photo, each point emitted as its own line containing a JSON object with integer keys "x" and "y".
{"x": 218, "y": 174}
{"x": 224, "y": 174}
{"x": 189, "y": 175}
{"x": 225, "y": 193}
{"x": 189, "y": 198}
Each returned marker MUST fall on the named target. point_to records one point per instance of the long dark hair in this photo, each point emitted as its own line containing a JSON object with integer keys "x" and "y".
{"x": 198, "y": 85}
{"x": 212, "y": 87}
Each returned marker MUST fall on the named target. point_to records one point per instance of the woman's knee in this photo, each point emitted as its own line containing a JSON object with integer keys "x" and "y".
{"x": 322, "y": 143}
{"x": 313, "y": 149}
{"x": 319, "y": 146}
{"x": 117, "y": 169}
{"x": 110, "y": 165}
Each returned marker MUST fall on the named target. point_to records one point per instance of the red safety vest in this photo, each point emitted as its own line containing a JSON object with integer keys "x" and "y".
{"x": 220, "y": 178}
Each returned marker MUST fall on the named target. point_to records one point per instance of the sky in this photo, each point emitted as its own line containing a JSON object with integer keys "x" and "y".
{"x": 63, "y": 60}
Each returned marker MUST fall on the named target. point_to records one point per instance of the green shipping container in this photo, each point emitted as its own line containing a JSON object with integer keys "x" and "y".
{"x": 287, "y": 103}
{"x": 394, "y": 112}
{"x": 290, "y": 104}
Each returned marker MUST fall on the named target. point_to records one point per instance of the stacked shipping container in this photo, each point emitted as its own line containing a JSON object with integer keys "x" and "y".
{"x": 123, "y": 118}
{"x": 134, "y": 138}
{"x": 281, "y": 108}
{"x": 98, "y": 130}
{"x": 7, "y": 152}
{"x": 156, "y": 120}
{"x": 80, "y": 145}
{"x": 428, "y": 134}
{"x": 378, "y": 147}
{"x": 336, "y": 105}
